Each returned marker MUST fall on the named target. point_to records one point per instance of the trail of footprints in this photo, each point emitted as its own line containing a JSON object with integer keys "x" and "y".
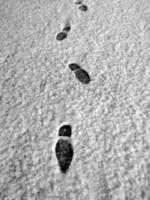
{"x": 82, "y": 6}
{"x": 64, "y": 149}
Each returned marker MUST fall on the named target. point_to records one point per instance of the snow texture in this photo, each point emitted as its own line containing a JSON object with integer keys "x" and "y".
{"x": 110, "y": 116}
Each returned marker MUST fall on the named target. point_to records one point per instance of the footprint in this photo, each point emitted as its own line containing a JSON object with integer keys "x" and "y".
{"x": 61, "y": 36}
{"x": 64, "y": 154}
{"x": 82, "y": 76}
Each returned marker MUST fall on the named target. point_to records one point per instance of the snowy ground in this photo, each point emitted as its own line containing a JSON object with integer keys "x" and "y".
{"x": 110, "y": 116}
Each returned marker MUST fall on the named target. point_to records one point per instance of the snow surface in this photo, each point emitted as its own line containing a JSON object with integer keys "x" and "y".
{"x": 110, "y": 116}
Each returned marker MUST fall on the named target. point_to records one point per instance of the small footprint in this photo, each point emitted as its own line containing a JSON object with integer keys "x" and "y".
{"x": 83, "y": 7}
{"x": 67, "y": 28}
{"x": 61, "y": 36}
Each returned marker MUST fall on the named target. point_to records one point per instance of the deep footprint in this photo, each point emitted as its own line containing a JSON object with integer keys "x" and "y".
{"x": 82, "y": 76}
{"x": 64, "y": 154}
